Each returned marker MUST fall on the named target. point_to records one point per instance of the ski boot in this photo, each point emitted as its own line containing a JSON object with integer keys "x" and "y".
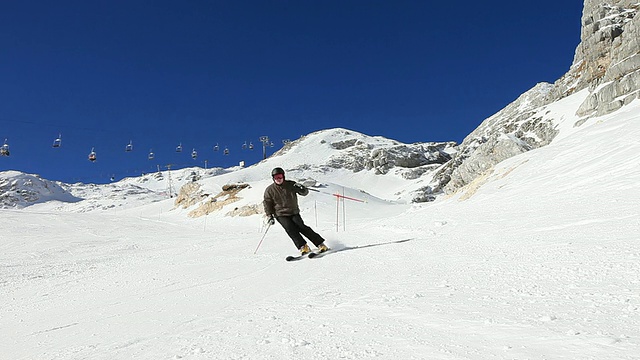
{"x": 304, "y": 250}
{"x": 322, "y": 248}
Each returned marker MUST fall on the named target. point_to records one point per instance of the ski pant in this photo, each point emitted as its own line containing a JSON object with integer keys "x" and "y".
{"x": 294, "y": 226}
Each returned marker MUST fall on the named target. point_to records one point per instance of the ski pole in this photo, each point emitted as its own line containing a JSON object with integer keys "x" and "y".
{"x": 263, "y": 235}
{"x": 337, "y": 195}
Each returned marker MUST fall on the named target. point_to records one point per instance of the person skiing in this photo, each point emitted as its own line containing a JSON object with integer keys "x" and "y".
{"x": 281, "y": 203}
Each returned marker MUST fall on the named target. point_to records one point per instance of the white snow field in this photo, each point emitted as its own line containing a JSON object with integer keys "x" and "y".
{"x": 540, "y": 259}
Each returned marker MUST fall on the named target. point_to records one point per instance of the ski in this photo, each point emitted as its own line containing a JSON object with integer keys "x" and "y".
{"x": 295, "y": 258}
{"x": 310, "y": 255}
{"x": 314, "y": 255}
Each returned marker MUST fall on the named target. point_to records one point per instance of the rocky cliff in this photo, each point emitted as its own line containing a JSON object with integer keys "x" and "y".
{"x": 606, "y": 62}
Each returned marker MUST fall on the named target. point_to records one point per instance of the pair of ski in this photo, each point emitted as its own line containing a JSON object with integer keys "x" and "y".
{"x": 310, "y": 255}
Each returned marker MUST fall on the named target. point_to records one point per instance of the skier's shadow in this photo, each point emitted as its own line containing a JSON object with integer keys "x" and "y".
{"x": 347, "y": 248}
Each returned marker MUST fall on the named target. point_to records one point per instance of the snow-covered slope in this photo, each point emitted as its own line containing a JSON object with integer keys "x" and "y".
{"x": 538, "y": 259}
{"x": 533, "y": 253}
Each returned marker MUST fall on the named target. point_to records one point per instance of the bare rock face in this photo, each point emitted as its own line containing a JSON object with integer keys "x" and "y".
{"x": 228, "y": 195}
{"x": 189, "y": 195}
{"x": 608, "y": 56}
{"x": 357, "y": 155}
{"x": 512, "y": 131}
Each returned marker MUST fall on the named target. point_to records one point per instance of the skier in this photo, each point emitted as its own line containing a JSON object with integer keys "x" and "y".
{"x": 281, "y": 203}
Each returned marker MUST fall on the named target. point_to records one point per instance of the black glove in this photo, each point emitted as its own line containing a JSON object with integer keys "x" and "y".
{"x": 299, "y": 187}
{"x": 271, "y": 220}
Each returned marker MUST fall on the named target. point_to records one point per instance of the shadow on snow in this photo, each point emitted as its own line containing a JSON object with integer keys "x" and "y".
{"x": 347, "y": 248}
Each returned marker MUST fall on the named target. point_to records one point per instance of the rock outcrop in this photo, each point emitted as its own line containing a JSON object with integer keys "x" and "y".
{"x": 191, "y": 194}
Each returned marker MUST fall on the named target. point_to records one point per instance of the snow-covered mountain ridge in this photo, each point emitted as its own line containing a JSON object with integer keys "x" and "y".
{"x": 323, "y": 155}
{"x": 356, "y": 152}
{"x": 19, "y": 190}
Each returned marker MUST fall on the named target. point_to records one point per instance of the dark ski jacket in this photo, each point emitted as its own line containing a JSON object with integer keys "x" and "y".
{"x": 282, "y": 200}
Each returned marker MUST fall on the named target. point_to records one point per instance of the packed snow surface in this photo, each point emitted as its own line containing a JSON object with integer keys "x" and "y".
{"x": 539, "y": 259}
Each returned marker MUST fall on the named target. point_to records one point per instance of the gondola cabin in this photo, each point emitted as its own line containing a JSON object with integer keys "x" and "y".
{"x": 151, "y": 155}
{"x": 4, "y": 149}
{"x": 129, "y": 147}
{"x": 179, "y": 148}
{"x": 57, "y": 142}
{"x": 92, "y": 155}
{"x": 194, "y": 154}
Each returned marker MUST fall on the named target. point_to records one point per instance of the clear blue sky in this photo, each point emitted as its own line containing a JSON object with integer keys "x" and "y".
{"x": 202, "y": 73}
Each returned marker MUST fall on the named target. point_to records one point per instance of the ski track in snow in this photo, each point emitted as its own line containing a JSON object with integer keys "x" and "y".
{"x": 461, "y": 297}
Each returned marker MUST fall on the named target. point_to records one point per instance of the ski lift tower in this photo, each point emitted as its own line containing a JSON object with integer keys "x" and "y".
{"x": 265, "y": 142}
{"x": 169, "y": 175}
